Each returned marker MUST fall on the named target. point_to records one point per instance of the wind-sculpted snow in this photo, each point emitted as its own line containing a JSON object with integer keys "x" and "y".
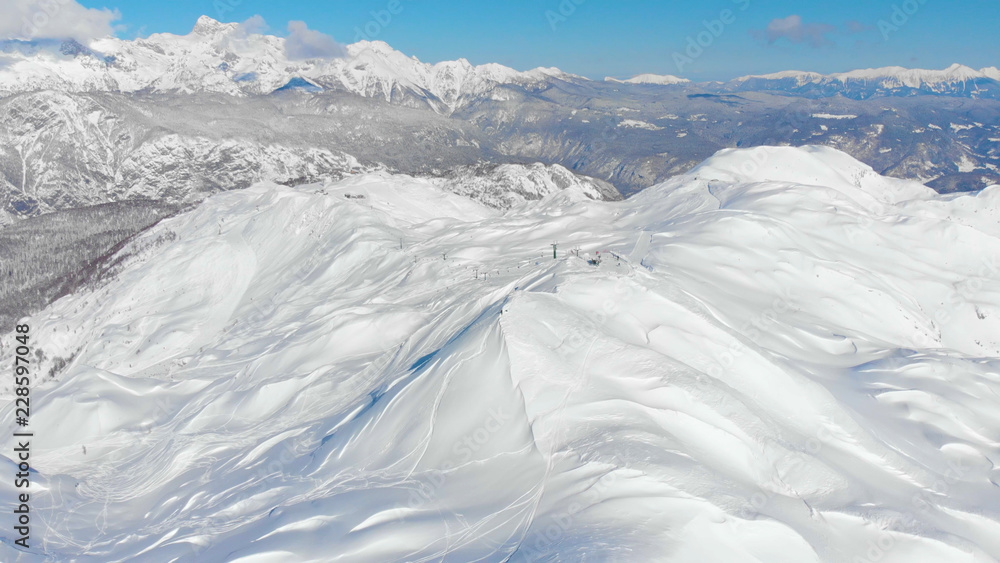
{"x": 780, "y": 357}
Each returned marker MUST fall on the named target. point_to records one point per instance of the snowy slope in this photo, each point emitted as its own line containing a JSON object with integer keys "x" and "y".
{"x": 793, "y": 359}
{"x": 227, "y": 58}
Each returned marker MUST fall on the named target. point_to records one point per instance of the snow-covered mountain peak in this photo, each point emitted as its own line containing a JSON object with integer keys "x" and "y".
{"x": 819, "y": 166}
{"x": 210, "y": 26}
{"x": 963, "y": 69}
{"x": 798, "y": 75}
{"x": 955, "y": 72}
{"x": 774, "y": 372}
{"x": 957, "y": 80}
{"x": 913, "y": 78}
{"x": 376, "y": 47}
{"x": 661, "y": 79}
{"x": 226, "y": 58}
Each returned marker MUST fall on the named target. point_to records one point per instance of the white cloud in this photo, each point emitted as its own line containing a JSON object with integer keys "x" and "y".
{"x": 54, "y": 19}
{"x": 305, "y": 43}
{"x": 239, "y": 40}
{"x": 794, "y": 29}
{"x": 254, "y": 25}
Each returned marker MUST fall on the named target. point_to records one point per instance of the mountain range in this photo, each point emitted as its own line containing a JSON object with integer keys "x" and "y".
{"x": 229, "y": 58}
{"x": 225, "y": 58}
{"x": 956, "y": 80}
{"x": 357, "y": 306}
{"x": 175, "y": 118}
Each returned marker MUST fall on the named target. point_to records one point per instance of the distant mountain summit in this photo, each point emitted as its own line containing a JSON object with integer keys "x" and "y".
{"x": 233, "y": 59}
{"x": 176, "y": 118}
{"x": 661, "y": 79}
{"x": 227, "y": 58}
{"x": 956, "y": 80}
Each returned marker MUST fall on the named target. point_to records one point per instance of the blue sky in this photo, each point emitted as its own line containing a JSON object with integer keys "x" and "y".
{"x": 598, "y": 38}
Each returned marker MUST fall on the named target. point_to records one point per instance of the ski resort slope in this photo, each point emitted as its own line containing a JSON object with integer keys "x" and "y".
{"x": 788, "y": 358}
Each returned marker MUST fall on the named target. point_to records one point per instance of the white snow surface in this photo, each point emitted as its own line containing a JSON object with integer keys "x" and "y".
{"x": 794, "y": 359}
{"x": 638, "y": 124}
{"x": 834, "y": 116}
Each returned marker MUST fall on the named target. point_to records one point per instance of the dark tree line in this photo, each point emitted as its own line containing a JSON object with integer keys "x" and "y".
{"x": 44, "y": 258}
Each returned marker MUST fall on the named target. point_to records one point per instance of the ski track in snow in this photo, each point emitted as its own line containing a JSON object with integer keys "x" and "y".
{"x": 806, "y": 369}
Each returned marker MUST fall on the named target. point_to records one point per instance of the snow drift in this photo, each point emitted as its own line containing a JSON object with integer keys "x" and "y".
{"x": 782, "y": 356}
